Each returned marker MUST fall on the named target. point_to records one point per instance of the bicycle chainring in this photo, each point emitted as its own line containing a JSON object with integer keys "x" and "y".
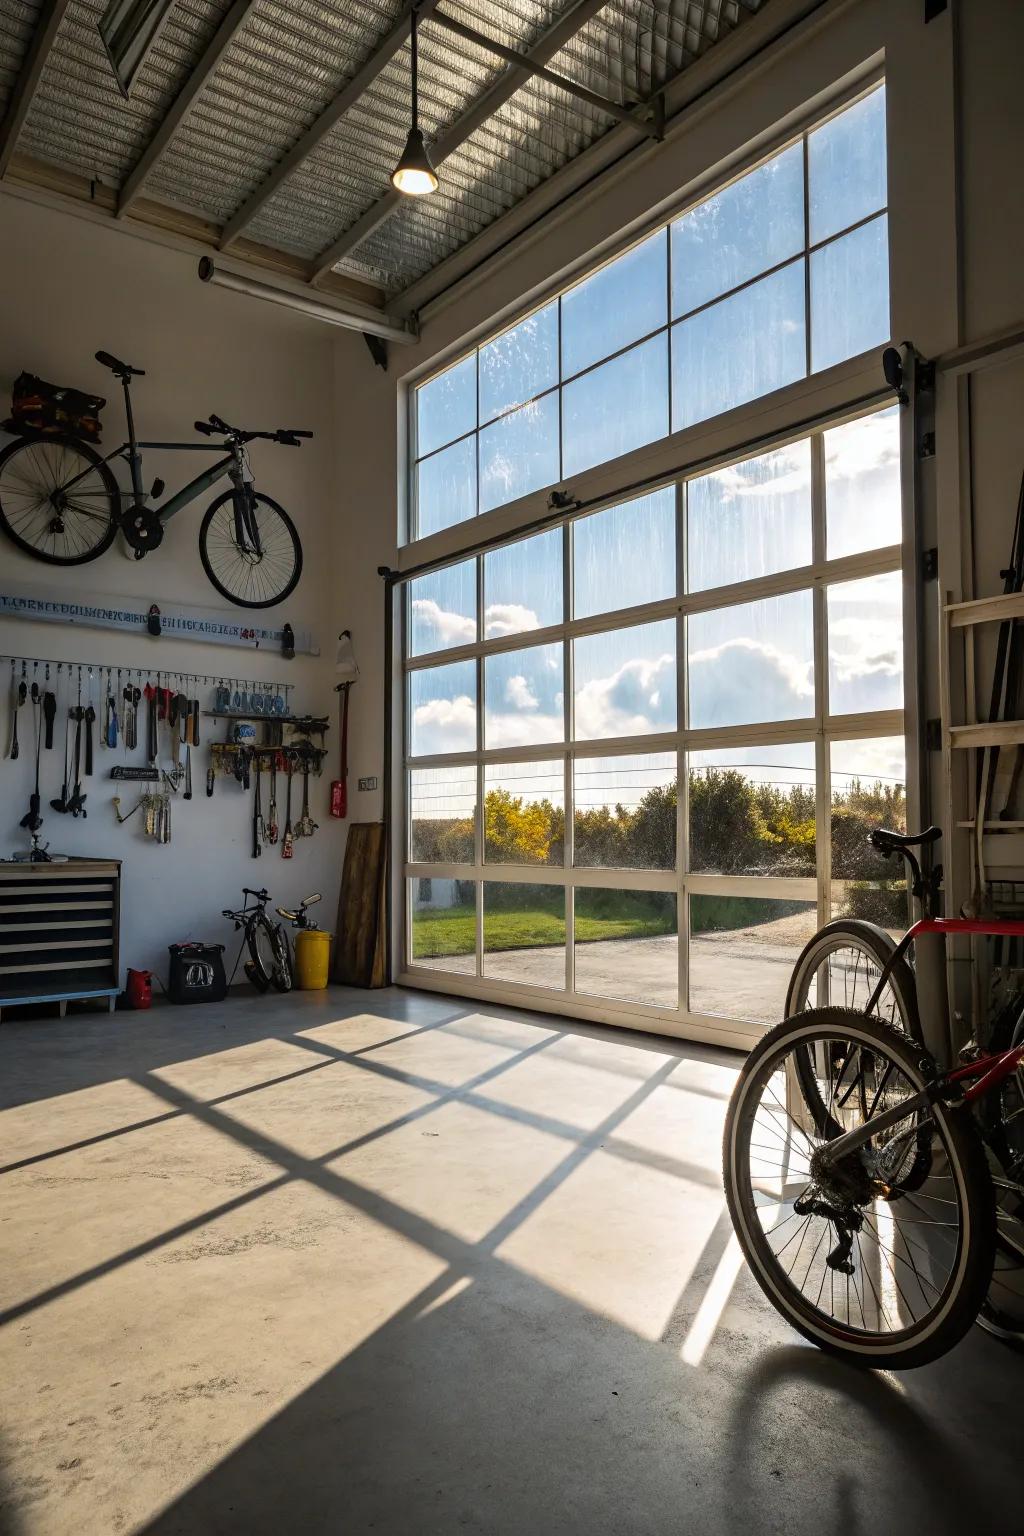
{"x": 142, "y": 530}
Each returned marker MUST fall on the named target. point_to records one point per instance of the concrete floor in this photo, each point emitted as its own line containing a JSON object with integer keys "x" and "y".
{"x": 388, "y": 1262}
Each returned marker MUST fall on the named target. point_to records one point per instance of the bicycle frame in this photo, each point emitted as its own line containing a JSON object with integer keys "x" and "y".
{"x": 131, "y": 453}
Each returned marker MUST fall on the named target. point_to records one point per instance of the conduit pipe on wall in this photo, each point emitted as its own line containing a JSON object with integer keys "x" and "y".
{"x": 350, "y": 319}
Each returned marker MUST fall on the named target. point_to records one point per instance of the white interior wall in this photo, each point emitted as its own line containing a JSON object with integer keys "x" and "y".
{"x": 69, "y": 288}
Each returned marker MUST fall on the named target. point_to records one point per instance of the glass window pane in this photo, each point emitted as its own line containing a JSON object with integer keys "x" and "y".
{"x": 750, "y": 519}
{"x": 752, "y": 662}
{"x": 523, "y": 585}
{"x": 520, "y": 363}
{"x": 443, "y": 933}
{"x": 862, "y": 484}
{"x": 846, "y": 167}
{"x": 616, "y": 408}
{"x": 519, "y": 453}
{"x": 742, "y": 953}
{"x": 865, "y": 644}
{"x": 868, "y": 790}
{"x": 741, "y": 231}
{"x": 624, "y": 812}
{"x": 752, "y": 810}
{"x": 625, "y": 555}
{"x": 524, "y": 813}
{"x": 623, "y": 301}
{"x": 524, "y": 933}
{"x": 524, "y": 697}
{"x": 850, "y": 295}
{"x": 625, "y": 682}
{"x": 442, "y": 808}
{"x": 446, "y": 488}
{"x": 446, "y": 407}
{"x": 442, "y": 609}
{"x": 442, "y": 709}
{"x": 739, "y": 349}
{"x": 627, "y": 945}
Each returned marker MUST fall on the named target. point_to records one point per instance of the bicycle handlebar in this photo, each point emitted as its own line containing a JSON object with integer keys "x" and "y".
{"x": 215, "y": 427}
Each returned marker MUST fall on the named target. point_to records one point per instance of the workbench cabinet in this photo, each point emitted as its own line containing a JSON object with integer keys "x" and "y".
{"x": 59, "y": 932}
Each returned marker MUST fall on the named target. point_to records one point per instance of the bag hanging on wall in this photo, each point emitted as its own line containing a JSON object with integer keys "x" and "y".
{"x": 196, "y": 973}
{"x": 37, "y": 406}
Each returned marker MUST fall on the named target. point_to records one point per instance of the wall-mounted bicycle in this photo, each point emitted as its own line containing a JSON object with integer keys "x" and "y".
{"x": 60, "y": 502}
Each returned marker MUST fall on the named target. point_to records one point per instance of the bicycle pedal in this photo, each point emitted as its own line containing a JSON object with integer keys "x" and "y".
{"x": 158, "y": 488}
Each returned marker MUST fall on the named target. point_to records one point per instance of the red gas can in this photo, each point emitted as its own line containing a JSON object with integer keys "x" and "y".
{"x": 139, "y": 990}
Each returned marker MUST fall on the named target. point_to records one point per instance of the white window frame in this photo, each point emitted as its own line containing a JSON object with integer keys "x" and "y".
{"x": 822, "y": 729}
{"x": 867, "y": 80}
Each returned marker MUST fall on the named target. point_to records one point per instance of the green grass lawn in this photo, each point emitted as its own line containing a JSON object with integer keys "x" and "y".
{"x": 440, "y": 931}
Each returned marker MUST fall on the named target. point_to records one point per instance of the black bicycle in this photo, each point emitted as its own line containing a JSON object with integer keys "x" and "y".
{"x": 269, "y": 963}
{"x": 60, "y": 502}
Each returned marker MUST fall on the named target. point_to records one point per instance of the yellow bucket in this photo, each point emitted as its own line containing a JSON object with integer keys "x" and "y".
{"x": 312, "y": 959}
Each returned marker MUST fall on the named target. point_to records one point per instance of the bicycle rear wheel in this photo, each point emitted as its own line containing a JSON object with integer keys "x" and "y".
{"x": 862, "y": 1262}
{"x": 62, "y": 527}
{"x": 262, "y": 568}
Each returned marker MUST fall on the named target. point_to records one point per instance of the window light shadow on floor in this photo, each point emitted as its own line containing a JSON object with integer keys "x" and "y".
{"x": 595, "y": 1299}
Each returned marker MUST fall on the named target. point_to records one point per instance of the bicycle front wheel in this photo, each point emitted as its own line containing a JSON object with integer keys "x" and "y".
{"x": 262, "y": 567}
{"x": 58, "y": 499}
{"x": 862, "y": 1257}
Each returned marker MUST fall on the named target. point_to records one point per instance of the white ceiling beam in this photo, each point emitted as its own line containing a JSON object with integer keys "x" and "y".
{"x": 27, "y": 83}
{"x": 233, "y": 22}
{"x": 473, "y": 118}
{"x": 329, "y": 119}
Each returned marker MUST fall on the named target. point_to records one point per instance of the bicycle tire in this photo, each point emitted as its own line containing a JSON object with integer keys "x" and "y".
{"x": 259, "y": 935}
{"x": 251, "y": 595}
{"x": 960, "y": 1296}
{"x": 42, "y": 445}
{"x": 282, "y": 975}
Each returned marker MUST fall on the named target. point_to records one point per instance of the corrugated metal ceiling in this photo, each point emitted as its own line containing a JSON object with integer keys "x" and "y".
{"x": 285, "y": 66}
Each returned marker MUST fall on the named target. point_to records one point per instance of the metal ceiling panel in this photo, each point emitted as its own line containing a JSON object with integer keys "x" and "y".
{"x": 80, "y": 120}
{"x": 288, "y": 62}
{"x": 17, "y": 22}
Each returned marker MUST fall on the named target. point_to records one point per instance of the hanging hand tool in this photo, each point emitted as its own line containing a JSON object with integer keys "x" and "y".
{"x": 272, "y": 829}
{"x": 257, "y": 814}
{"x": 90, "y": 716}
{"x": 339, "y": 787}
{"x": 49, "y": 715}
{"x": 188, "y": 773}
{"x": 110, "y": 730}
{"x": 305, "y": 826}
{"x": 152, "y": 746}
{"x": 18, "y": 696}
{"x": 32, "y": 819}
{"x": 210, "y": 781}
{"x": 76, "y": 804}
{"x": 195, "y": 723}
{"x": 287, "y": 843}
{"x": 62, "y": 805}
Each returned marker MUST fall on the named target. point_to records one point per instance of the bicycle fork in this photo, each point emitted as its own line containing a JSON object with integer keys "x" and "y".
{"x": 247, "y": 533}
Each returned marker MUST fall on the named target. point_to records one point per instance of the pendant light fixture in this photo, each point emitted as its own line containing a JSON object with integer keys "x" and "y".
{"x": 414, "y": 175}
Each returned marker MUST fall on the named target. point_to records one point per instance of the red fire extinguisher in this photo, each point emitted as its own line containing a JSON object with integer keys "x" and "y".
{"x": 139, "y": 990}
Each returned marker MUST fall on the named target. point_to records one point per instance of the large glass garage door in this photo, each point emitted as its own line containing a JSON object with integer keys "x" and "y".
{"x": 643, "y": 748}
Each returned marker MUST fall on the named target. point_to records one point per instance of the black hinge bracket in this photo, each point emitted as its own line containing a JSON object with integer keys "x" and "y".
{"x": 378, "y": 349}
{"x": 933, "y": 735}
{"x": 933, "y": 8}
{"x": 924, "y": 376}
{"x": 926, "y": 447}
{"x": 929, "y": 564}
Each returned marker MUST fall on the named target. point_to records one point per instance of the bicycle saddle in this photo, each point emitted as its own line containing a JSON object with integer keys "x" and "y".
{"x": 886, "y": 841}
{"x": 124, "y": 370}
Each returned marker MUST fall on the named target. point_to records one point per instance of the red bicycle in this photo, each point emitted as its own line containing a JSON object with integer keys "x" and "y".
{"x": 879, "y": 1199}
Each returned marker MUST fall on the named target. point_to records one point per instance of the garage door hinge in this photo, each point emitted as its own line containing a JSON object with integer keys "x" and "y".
{"x": 929, "y": 564}
{"x": 926, "y": 447}
{"x": 933, "y": 736}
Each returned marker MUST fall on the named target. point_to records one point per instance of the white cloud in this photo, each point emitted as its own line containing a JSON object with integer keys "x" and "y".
{"x": 519, "y": 694}
{"x": 508, "y": 619}
{"x": 637, "y": 699}
{"x": 523, "y": 730}
{"x": 744, "y": 680}
{"x": 444, "y": 725}
{"x": 450, "y": 628}
{"x": 872, "y": 443}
